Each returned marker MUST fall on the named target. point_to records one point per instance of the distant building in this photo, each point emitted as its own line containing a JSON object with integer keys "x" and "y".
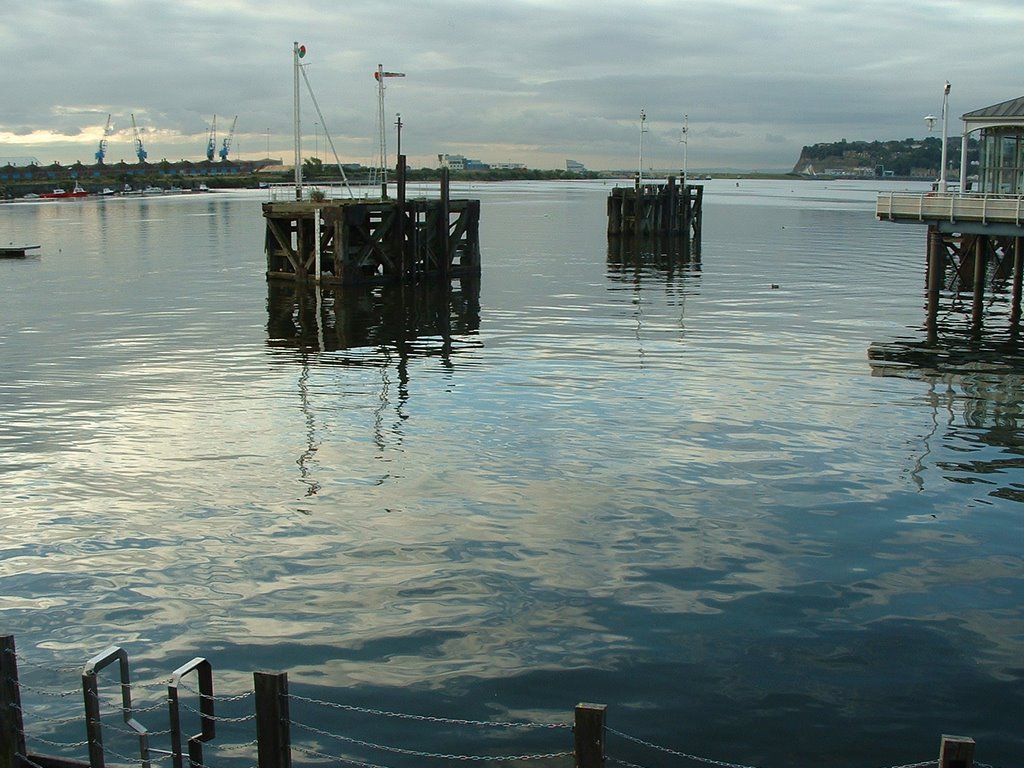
{"x": 574, "y": 166}
{"x": 1001, "y": 156}
{"x": 463, "y": 163}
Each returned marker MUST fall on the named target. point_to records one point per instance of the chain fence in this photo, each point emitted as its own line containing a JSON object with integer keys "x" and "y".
{"x": 322, "y": 733}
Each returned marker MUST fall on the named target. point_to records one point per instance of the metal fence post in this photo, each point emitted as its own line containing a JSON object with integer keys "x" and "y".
{"x": 588, "y": 735}
{"x": 273, "y": 728}
{"x": 12, "y": 730}
{"x": 956, "y": 752}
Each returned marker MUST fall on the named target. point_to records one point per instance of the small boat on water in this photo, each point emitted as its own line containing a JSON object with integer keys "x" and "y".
{"x": 153, "y": 191}
{"x": 59, "y": 193}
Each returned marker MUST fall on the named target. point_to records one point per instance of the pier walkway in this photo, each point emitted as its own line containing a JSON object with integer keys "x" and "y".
{"x": 954, "y": 212}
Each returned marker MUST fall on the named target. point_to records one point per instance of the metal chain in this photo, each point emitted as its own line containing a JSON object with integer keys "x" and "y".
{"x": 28, "y": 662}
{"x": 623, "y": 762}
{"x": 49, "y": 691}
{"x": 55, "y": 720}
{"x": 231, "y": 747}
{"x": 338, "y": 758}
{"x": 428, "y": 718}
{"x": 136, "y": 760}
{"x": 202, "y": 695}
{"x": 217, "y": 718}
{"x": 62, "y": 745}
{"x": 417, "y": 753}
{"x": 676, "y": 753}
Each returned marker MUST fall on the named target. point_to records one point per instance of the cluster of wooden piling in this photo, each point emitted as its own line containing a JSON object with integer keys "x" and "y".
{"x": 656, "y": 210}
{"x": 962, "y": 261}
{"x": 373, "y": 240}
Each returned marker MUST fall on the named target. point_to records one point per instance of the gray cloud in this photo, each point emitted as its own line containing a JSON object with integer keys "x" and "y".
{"x": 529, "y": 81}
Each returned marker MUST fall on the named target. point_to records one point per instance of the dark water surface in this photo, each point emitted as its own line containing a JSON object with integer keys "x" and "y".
{"x": 737, "y": 499}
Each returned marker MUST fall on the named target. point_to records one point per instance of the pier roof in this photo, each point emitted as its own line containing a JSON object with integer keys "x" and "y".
{"x": 1007, "y": 112}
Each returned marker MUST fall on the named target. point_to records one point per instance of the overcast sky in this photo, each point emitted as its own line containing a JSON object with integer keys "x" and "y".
{"x": 530, "y": 81}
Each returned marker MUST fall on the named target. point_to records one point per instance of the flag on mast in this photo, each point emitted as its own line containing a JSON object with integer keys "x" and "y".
{"x": 378, "y": 74}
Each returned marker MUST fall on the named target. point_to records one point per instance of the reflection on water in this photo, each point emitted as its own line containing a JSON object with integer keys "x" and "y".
{"x": 384, "y": 327}
{"x": 679, "y": 487}
{"x": 403, "y": 317}
{"x": 976, "y": 391}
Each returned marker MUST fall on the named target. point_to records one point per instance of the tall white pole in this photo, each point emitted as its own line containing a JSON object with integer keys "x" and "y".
{"x": 686, "y": 141}
{"x": 945, "y": 133}
{"x": 382, "y": 130}
{"x": 298, "y": 131}
{"x": 643, "y": 130}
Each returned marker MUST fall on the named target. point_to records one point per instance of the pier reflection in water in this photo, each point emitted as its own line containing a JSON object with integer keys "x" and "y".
{"x": 415, "y": 320}
{"x": 382, "y": 326}
{"x": 976, "y": 394}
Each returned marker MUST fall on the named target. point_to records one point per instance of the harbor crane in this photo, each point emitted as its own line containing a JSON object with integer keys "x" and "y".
{"x": 226, "y": 148}
{"x": 211, "y": 140}
{"x": 101, "y": 153}
{"x": 139, "y": 149}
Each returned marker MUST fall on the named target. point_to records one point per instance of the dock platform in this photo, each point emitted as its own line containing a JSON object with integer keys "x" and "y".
{"x": 373, "y": 240}
{"x": 973, "y": 239}
{"x": 16, "y": 251}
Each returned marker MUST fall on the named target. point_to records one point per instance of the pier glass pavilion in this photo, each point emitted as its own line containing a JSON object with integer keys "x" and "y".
{"x": 975, "y": 232}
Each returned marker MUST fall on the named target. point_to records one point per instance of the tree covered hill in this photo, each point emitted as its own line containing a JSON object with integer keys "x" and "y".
{"x": 919, "y": 158}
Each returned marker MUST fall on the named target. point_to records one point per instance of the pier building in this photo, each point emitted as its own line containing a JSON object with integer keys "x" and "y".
{"x": 976, "y": 229}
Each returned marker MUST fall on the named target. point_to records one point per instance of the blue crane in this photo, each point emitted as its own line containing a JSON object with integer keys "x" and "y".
{"x": 227, "y": 142}
{"x": 211, "y": 140}
{"x": 101, "y": 153}
{"x": 139, "y": 149}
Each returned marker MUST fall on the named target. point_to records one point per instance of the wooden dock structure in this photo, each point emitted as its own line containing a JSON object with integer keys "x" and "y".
{"x": 656, "y": 210}
{"x": 373, "y": 240}
{"x": 973, "y": 239}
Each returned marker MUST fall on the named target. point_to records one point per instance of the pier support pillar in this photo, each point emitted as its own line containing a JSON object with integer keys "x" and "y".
{"x": 933, "y": 279}
{"x": 1018, "y": 271}
{"x": 980, "y": 255}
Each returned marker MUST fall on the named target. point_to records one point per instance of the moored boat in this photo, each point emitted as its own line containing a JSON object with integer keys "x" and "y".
{"x": 59, "y": 193}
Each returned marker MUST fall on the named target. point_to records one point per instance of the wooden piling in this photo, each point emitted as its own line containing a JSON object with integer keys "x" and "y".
{"x": 1018, "y": 272}
{"x": 980, "y": 260}
{"x": 373, "y": 240}
{"x": 589, "y": 735}
{"x": 12, "y": 730}
{"x": 273, "y": 726}
{"x": 656, "y": 210}
{"x": 956, "y": 752}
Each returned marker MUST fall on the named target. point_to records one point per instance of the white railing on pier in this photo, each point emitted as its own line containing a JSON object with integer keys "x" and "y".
{"x": 332, "y": 190}
{"x": 951, "y": 207}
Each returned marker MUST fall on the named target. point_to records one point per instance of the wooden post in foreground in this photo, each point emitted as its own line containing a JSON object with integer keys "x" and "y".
{"x": 588, "y": 735}
{"x": 273, "y": 728}
{"x": 956, "y": 752}
{"x": 12, "y": 731}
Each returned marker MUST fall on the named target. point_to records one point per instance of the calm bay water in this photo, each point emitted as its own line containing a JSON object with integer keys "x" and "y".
{"x": 735, "y": 499}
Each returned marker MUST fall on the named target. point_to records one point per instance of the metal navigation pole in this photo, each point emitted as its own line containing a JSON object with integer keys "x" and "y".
{"x": 298, "y": 51}
{"x": 945, "y": 134}
{"x": 379, "y": 75}
{"x": 643, "y": 130}
{"x": 683, "y": 140}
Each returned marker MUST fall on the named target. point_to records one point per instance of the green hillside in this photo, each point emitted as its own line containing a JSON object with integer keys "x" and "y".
{"x": 916, "y": 158}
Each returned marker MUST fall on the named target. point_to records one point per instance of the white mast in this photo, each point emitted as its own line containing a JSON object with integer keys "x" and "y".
{"x": 382, "y": 133}
{"x": 945, "y": 133}
{"x": 298, "y": 51}
{"x": 643, "y": 130}
{"x": 686, "y": 128}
